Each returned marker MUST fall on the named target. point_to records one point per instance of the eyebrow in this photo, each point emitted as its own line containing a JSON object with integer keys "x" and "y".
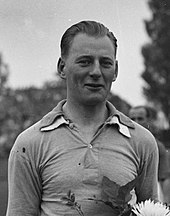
{"x": 91, "y": 57}
{"x": 84, "y": 56}
{"x": 107, "y": 58}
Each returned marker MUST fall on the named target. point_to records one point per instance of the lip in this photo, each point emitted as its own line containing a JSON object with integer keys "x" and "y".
{"x": 93, "y": 86}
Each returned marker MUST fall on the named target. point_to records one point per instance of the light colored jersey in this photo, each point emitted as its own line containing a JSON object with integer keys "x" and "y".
{"x": 54, "y": 171}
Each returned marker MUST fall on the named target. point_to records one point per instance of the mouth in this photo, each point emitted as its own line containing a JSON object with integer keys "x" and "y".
{"x": 94, "y": 86}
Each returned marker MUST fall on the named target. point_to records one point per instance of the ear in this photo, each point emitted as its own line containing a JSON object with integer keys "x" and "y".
{"x": 60, "y": 68}
{"x": 116, "y": 71}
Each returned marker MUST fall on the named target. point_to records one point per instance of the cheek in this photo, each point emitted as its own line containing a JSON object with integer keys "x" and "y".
{"x": 109, "y": 78}
{"x": 73, "y": 80}
{"x": 77, "y": 76}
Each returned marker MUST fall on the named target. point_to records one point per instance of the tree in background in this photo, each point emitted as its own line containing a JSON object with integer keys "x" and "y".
{"x": 157, "y": 56}
{"x": 119, "y": 103}
{"x": 4, "y": 73}
{"x": 22, "y": 107}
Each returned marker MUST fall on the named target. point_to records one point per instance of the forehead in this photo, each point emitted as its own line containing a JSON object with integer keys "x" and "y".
{"x": 83, "y": 43}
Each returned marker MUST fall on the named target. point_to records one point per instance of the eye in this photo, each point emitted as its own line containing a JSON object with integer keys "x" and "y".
{"x": 84, "y": 62}
{"x": 106, "y": 63}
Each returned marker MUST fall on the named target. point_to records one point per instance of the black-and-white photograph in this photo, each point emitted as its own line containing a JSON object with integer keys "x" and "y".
{"x": 84, "y": 108}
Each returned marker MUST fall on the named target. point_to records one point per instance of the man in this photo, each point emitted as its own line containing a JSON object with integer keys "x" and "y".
{"x": 84, "y": 157}
{"x": 146, "y": 116}
{"x": 141, "y": 115}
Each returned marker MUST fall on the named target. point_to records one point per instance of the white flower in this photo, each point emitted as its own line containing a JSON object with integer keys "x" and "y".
{"x": 149, "y": 208}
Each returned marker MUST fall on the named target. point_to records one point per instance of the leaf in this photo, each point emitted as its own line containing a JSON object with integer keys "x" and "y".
{"x": 115, "y": 193}
{"x": 110, "y": 188}
{"x": 69, "y": 193}
{"x": 72, "y": 197}
{"x": 124, "y": 191}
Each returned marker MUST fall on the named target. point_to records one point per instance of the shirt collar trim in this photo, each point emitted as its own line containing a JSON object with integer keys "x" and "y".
{"x": 55, "y": 118}
{"x": 121, "y": 127}
{"x": 59, "y": 121}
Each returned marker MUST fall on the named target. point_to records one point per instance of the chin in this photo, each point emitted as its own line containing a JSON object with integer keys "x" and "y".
{"x": 94, "y": 101}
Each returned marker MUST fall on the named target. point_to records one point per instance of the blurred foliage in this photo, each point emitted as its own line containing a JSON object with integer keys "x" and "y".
{"x": 4, "y": 73}
{"x": 119, "y": 103}
{"x": 22, "y": 107}
{"x": 157, "y": 56}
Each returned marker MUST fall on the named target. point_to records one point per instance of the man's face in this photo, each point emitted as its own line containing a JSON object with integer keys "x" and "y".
{"x": 139, "y": 115}
{"x": 89, "y": 69}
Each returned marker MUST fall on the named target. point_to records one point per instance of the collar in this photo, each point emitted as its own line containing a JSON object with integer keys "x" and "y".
{"x": 123, "y": 129}
{"x": 56, "y": 118}
{"x": 52, "y": 116}
{"x": 59, "y": 121}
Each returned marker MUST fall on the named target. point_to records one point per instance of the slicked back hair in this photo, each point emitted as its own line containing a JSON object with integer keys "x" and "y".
{"x": 91, "y": 28}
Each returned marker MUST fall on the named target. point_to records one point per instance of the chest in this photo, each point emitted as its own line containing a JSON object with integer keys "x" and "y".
{"x": 70, "y": 160}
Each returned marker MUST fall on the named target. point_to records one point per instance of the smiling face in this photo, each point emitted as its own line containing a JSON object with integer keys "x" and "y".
{"x": 89, "y": 69}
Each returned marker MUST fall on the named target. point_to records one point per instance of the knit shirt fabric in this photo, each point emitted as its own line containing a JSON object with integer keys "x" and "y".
{"x": 54, "y": 171}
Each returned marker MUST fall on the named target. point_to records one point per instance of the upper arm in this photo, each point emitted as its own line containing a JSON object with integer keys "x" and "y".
{"x": 147, "y": 184}
{"x": 24, "y": 186}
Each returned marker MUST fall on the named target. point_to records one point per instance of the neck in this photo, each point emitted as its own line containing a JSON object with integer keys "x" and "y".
{"x": 86, "y": 115}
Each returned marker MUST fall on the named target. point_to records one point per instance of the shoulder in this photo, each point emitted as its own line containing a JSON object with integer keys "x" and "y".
{"x": 27, "y": 139}
{"x": 33, "y": 135}
{"x": 144, "y": 142}
{"x": 33, "y": 139}
{"x": 141, "y": 137}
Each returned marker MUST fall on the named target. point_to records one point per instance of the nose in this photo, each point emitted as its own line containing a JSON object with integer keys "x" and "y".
{"x": 96, "y": 70}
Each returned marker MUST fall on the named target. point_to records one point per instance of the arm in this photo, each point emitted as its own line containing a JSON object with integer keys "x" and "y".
{"x": 147, "y": 184}
{"x": 24, "y": 194}
{"x": 163, "y": 166}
